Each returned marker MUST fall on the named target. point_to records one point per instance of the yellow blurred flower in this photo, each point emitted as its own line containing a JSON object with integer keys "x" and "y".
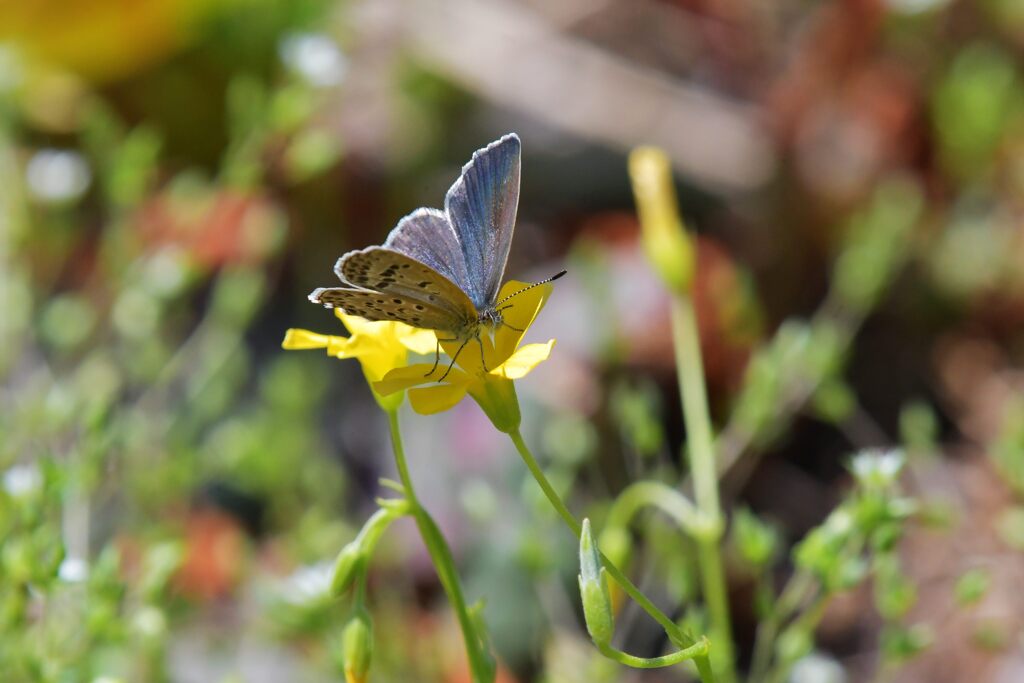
{"x": 493, "y": 388}
{"x": 378, "y": 346}
{"x": 667, "y": 244}
{"x": 100, "y": 40}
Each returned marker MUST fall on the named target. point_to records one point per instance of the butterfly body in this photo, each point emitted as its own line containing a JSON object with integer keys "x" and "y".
{"x": 441, "y": 270}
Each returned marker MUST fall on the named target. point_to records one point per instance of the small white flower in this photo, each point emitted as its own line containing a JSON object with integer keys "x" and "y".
{"x": 22, "y": 480}
{"x": 57, "y": 175}
{"x": 877, "y": 468}
{"x": 817, "y": 668}
{"x": 315, "y": 57}
{"x": 73, "y": 570}
{"x": 308, "y": 583}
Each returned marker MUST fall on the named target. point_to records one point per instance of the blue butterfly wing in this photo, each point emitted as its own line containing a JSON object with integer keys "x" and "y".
{"x": 481, "y": 208}
{"x": 427, "y": 236}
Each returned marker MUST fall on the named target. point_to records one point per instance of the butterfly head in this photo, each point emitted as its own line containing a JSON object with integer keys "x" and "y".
{"x": 490, "y": 317}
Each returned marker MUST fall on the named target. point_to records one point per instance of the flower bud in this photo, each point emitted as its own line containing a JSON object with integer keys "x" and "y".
{"x": 597, "y": 609}
{"x": 665, "y": 241}
{"x": 357, "y": 641}
{"x": 346, "y": 567}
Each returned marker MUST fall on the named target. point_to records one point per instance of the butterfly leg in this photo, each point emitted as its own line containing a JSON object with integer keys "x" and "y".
{"x": 437, "y": 357}
{"x": 483, "y": 361}
{"x": 454, "y": 358}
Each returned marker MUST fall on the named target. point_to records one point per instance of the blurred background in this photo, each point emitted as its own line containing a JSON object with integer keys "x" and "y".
{"x": 177, "y": 175}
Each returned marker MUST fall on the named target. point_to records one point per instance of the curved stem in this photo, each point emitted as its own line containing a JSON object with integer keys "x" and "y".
{"x": 698, "y": 649}
{"x": 444, "y": 563}
{"x": 675, "y": 634}
{"x": 376, "y": 525}
{"x": 690, "y": 369}
{"x": 672, "y": 502}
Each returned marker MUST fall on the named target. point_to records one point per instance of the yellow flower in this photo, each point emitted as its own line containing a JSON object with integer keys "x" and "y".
{"x": 492, "y": 388}
{"x": 668, "y": 246}
{"x": 102, "y": 40}
{"x": 378, "y": 346}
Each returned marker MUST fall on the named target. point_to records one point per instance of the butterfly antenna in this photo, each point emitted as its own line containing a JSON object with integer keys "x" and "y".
{"x": 529, "y": 287}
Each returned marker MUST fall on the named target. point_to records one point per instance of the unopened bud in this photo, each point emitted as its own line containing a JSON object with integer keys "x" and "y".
{"x": 668, "y": 246}
{"x": 357, "y": 641}
{"x": 346, "y": 566}
{"x": 597, "y": 608}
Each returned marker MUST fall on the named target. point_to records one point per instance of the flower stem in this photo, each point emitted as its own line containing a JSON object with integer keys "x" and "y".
{"x": 670, "y": 501}
{"x": 698, "y": 649}
{"x": 444, "y": 563}
{"x": 692, "y": 389}
{"x": 675, "y": 634}
{"x": 799, "y": 586}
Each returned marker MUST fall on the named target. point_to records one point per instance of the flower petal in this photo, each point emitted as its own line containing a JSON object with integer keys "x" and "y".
{"x": 417, "y": 340}
{"x": 469, "y": 355}
{"x": 522, "y": 311}
{"x": 437, "y": 398}
{"x": 415, "y": 375}
{"x": 386, "y": 331}
{"x": 524, "y": 360}
{"x": 340, "y": 347}
{"x": 353, "y": 323}
{"x": 296, "y": 339}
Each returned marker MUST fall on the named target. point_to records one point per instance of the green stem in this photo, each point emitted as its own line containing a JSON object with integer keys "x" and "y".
{"x": 800, "y": 589}
{"x": 443, "y": 561}
{"x": 807, "y": 622}
{"x": 804, "y": 588}
{"x": 793, "y": 595}
{"x": 655, "y": 494}
{"x": 375, "y": 527}
{"x": 692, "y": 389}
{"x": 675, "y": 634}
{"x": 698, "y": 649}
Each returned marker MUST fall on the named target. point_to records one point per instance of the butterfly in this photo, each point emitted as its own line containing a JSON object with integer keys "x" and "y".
{"x": 442, "y": 270}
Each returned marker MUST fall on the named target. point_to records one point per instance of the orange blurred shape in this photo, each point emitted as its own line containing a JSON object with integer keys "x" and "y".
{"x": 100, "y": 40}
{"x": 224, "y": 227}
{"x": 214, "y": 546}
{"x": 439, "y": 639}
{"x": 462, "y": 675}
{"x": 839, "y": 39}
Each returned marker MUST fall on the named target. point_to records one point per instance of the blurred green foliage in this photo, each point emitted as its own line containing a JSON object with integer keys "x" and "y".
{"x": 167, "y": 476}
